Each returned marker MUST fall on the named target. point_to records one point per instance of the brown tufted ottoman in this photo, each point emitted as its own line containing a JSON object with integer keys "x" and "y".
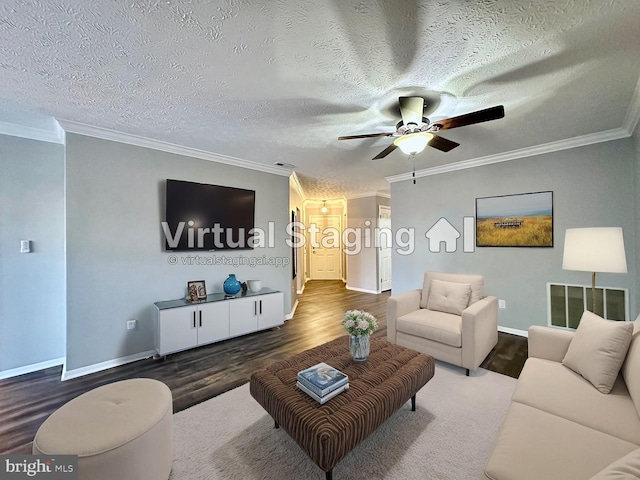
{"x": 377, "y": 388}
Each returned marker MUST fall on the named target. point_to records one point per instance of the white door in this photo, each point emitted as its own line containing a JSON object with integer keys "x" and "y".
{"x": 384, "y": 247}
{"x": 325, "y": 244}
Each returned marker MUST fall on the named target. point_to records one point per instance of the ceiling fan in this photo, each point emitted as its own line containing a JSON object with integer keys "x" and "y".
{"x": 414, "y": 132}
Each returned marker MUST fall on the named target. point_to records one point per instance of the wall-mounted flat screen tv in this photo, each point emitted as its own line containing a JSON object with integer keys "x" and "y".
{"x": 207, "y": 217}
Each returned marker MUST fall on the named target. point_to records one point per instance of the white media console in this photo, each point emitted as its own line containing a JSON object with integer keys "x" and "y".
{"x": 181, "y": 325}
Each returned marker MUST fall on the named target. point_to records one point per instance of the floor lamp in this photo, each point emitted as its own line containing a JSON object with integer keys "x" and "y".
{"x": 594, "y": 250}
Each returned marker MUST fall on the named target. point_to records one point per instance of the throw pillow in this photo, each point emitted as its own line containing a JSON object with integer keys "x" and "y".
{"x": 598, "y": 349}
{"x": 448, "y": 297}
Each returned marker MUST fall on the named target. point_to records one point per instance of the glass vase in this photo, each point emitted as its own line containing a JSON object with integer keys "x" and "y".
{"x": 359, "y": 347}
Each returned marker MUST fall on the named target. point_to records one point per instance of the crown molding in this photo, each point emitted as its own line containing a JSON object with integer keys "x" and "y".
{"x": 590, "y": 139}
{"x": 296, "y": 184}
{"x": 135, "y": 140}
{"x": 15, "y": 130}
{"x": 368, "y": 194}
{"x": 329, "y": 201}
{"x": 633, "y": 112}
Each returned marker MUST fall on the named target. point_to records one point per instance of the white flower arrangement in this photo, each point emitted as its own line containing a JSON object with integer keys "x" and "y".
{"x": 359, "y": 323}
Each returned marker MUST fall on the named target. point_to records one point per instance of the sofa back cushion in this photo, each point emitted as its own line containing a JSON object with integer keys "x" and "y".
{"x": 631, "y": 366}
{"x": 476, "y": 282}
{"x": 448, "y": 297}
{"x": 598, "y": 349}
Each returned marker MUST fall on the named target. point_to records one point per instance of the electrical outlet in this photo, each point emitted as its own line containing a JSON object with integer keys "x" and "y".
{"x": 131, "y": 324}
{"x": 502, "y": 304}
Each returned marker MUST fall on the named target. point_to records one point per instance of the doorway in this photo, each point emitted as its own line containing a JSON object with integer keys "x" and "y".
{"x": 325, "y": 259}
{"x": 384, "y": 247}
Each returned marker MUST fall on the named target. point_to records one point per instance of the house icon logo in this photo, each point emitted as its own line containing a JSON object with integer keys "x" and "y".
{"x": 444, "y": 232}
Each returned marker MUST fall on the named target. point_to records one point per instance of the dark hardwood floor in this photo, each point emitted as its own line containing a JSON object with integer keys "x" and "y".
{"x": 202, "y": 373}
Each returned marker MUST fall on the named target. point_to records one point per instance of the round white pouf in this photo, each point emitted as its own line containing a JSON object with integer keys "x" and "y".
{"x": 120, "y": 431}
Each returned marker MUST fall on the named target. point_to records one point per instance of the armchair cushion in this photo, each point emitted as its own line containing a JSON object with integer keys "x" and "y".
{"x": 448, "y": 297}
{"x": 437, "y": 326}
{"x": 476, "y": 282}
{"x": 598, "y": 349}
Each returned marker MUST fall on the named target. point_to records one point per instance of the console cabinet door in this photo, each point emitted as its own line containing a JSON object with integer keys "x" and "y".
{"x": 270, "y": 310}
{"x": 213, "y": 322}
{"x": 177, "y": 329}
{"x": 243, "y": 316}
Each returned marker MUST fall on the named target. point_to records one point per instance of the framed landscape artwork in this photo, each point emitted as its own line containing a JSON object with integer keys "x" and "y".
{"x": 522, "y": 220}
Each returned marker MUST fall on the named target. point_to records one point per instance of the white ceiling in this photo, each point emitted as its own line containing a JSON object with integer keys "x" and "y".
{"x": 279, "y": 80}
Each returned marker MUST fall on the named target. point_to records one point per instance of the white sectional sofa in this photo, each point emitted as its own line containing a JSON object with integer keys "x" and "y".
{"x": 559, "y": 424}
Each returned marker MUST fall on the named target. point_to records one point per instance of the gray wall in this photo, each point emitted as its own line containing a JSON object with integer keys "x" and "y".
{"x": 116, "y": 266}
{"x": 592, "y": 186}
{"x": 362, "y": 269}
{"x": 32, "y": 306}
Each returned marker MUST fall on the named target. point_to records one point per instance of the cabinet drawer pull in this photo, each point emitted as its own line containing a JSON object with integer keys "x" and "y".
{"x": 194, "y": 319}
{"x": 200, "y": 317}
{"x": 260, "y": 307}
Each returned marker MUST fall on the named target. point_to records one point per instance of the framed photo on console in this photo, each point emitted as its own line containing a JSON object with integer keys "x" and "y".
{"x": 197, "y": 290}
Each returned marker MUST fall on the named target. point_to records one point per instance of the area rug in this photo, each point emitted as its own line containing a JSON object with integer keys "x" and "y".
{"x": 449, "y": 436}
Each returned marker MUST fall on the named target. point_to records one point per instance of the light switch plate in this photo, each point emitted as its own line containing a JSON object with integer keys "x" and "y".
{"x": 25, "y": 246}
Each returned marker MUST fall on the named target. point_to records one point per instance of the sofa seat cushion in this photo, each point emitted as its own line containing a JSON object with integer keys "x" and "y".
{"x": 623, "y": 469}
{"x": 558, "y": 390}
{"x": 536, "y": 445}
{"x": 437, "y": 326}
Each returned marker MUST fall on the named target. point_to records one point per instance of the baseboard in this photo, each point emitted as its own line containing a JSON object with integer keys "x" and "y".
{"x": 293, "y": 311}
{"x": 98, "y": 367}
{"x": 363, "y": 290}
{"x": 513, "y": 331}
{"x": 34, "y": 367}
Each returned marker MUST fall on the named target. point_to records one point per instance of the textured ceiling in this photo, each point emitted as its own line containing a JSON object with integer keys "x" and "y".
{"x": 279, "y": 80}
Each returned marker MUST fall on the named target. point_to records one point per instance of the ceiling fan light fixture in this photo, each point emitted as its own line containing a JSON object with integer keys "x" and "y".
{"x": 413, "y": 143}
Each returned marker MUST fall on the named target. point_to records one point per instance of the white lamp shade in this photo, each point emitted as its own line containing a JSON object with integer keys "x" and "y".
{"x": 413, "y": 142}
{"x": 594, "y": 250}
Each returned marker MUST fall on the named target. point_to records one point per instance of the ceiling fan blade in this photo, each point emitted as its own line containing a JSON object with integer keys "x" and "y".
{"x": 367, "y": 135}
{"x": 385, "y": 152}
{"x": 480, "y": 116}
{"x": 442, "y": 144}
{"x": 411, "y": 109}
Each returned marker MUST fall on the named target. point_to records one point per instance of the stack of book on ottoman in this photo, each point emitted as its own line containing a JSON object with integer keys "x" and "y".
{"x": 322, "y": 382}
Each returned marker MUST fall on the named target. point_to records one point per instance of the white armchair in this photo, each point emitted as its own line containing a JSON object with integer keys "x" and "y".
{"x": 449, "y": 318}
